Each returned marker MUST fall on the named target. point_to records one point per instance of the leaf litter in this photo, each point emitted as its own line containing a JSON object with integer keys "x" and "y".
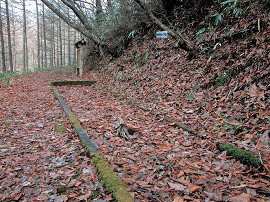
{"x": 161, "y": 162}
{"x": 224, "y": 100}
{"x": 36, "y": 160}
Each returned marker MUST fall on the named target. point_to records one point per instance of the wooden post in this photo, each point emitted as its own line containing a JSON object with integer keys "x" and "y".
{"x": 79, "y": 65}
{"x": 80, "y": 55}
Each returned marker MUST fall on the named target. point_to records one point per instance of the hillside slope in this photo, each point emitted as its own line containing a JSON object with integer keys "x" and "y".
{"x": 222, "y": 96}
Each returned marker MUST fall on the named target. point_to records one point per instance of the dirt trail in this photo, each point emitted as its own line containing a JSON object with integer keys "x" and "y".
{"x": 41, "y": 158}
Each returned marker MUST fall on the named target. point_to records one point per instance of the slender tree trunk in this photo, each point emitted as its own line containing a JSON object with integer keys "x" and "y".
{"x": 44, "y": 36}
{"x": 9, "y": 38}
{"x": 4, "y": 68}
{"x": 69, "y": 54}
{"x": 60, "y": 43}
{"x": 41, "y": 47}
{"x": 109, "y": 4}
{"x": 57, "y": 44}
{"x": 25, "y": 51}
{"x": 14, "y": 42}
{"x": 64, "y": 44}
{"x": 53, "y": 45}
{"x": 99, "y": 12}
{"x": 74, "y": 53}
{"x": 38, "y": 40}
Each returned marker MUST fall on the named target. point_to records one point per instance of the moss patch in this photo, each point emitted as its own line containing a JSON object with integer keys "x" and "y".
{"x": 60, "y": 128}
{"x": 244, "y": 156}
{"x": 61, "y": 189}
{"x": 74, "y": 121}
{"x": 112, "y": 183}
{"x": 94, "y": 195}
{"x": 57, "y": 116}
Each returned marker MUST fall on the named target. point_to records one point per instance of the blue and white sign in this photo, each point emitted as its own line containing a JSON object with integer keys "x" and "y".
{"x": 162, "y": 35}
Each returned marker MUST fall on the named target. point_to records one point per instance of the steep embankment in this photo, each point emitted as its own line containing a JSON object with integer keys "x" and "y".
{"x": 224, "y": 98}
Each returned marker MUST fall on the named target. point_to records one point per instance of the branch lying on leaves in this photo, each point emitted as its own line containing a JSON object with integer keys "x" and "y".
{"x": 122, "y": 130}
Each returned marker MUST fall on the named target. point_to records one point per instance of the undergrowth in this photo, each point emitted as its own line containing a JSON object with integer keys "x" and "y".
{"x": 7, "y": 77}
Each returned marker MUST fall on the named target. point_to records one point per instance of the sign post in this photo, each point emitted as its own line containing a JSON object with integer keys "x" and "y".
{"x": 162, "y": 35}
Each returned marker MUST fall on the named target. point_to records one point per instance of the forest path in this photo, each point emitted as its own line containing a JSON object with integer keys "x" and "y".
{"x": 159, "y": 163}
{"x": 41, "y": 157}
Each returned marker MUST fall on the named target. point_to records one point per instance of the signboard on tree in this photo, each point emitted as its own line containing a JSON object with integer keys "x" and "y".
{"x": 162, "y": 35}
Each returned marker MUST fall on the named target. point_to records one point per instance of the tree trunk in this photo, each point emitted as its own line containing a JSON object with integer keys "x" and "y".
{"x": 109, "y": 4}
{"x": 57, "y": 44}
{"x": 38, "y": 40}
{"x": 64, "y": 43}
{"x": 74, "y": 40}
{"x": 98, "y": 12}
{"x": 41, "y": 47}
{"x": 183, "y": 43}
{"x": 69, "y": 54}
{"x": 4, "y": 68}
{"x": 14, "y": 42}
{"x": 9, "y": 38}
{"x": 25, "y": 50}
{"x": 60, "y": 43}
{"x": 53, "y": 45}
{"x": 44, "y": 36}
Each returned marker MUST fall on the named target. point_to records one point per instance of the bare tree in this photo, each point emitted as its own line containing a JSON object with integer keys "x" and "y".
{"x": 13, "y": 38}
{"x": 38, "y": 39}
{"x": 4, "y": 68}
{"x": 9, "y": 38}
{"x": 44, "y": 37}
{"x": 60, "y": 42}
{"x": 25, "y": 49}
{"x": 86, "y": 28}
{"x": 69, "y": 51}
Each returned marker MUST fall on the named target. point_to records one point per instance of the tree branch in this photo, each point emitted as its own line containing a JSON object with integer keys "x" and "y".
{"x": 183, "y": 42}
{"x": 78, "y": 13}
{"x": 76, "y": 26}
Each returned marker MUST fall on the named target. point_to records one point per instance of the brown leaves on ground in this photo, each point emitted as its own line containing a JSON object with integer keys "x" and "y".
{"x": 226, "y": 100}
{"x": 161, "y": 162}
{"x": 36, "y": 160}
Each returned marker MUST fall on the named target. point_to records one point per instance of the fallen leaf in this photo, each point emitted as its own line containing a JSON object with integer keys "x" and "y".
{"x": 72, "y": 195}
{"x": 177, "y": 186}
{"x": 193, "y": 187}
{"x": 62, "y": 198}
{"x": 241, "y": 198}
{"x": 178, "y": 199}
{"x": 85, "y": 196}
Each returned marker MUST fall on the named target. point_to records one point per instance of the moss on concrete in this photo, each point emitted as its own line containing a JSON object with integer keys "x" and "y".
{"x": 244, "y": 156}
{"x": 112, "y": 183}
{"x": 74, "y": 121}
